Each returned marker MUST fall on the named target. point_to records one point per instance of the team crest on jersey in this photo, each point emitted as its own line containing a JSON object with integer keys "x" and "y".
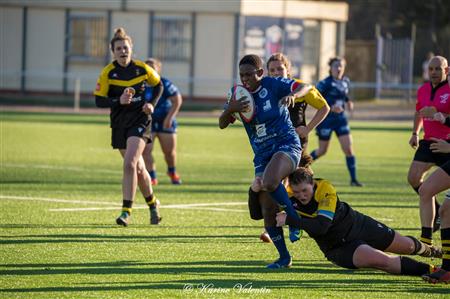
{"x": 444, "y": 98}
{"x": 97, "y": 87}
{"x": 137, "y": 72}
{"x": 267, "y": 106}
{"x": 263, "y": 93}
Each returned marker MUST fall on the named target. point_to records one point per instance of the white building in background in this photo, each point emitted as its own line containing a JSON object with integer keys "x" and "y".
{"x": 46, "y": 45}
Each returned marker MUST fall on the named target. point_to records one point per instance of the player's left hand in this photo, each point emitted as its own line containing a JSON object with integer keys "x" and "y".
{"x": 440, "y": 117}
{"x": 148, "y": 108}
{"x": 288, "y": 101}
{"x": 281, "y": 218}
{"x": 439, "y": 146}
{"x": 302, "y": 131}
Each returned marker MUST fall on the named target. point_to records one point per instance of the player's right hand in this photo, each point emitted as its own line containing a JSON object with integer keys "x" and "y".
{"x": 239, "y": 105}
{"x": 127, "y": 95}
{"x": 414, "y": 141}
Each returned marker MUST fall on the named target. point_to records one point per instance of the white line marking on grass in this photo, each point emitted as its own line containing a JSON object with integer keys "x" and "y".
{"x": 198, "y": 206}
{"x": 68, "y": 168}
{"x": 144, "y": 207}
{"x": 86, "y": 202}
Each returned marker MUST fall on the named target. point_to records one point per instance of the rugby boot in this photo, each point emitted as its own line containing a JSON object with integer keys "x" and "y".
{"x": 155, "y": 216}
{"x": 281, "y": 263}
{"x": 123, "y": 219}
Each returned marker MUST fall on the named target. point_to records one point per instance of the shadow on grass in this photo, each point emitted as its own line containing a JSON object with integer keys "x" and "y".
{"x": 353, "y": 281}
{"x": 101, "y": 238}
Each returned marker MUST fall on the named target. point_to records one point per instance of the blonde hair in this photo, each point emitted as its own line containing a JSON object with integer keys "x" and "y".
{"x": 283, "y": 59}
{"x": 120, "y": 34}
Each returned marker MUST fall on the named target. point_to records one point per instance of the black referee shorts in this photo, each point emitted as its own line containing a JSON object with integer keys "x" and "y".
{"x": 424, "y": 154}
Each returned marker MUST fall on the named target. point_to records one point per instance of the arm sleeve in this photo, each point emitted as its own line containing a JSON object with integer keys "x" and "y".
{"x": 313, "y": 226}
{"x": 154, "y": 80}
{"x": 314, "y": 99}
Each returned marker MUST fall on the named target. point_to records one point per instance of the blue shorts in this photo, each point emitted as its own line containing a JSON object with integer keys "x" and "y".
{"x": 157, "y": 127}
{"x": 330, "y": 124}
{"x": 292, "y": 150}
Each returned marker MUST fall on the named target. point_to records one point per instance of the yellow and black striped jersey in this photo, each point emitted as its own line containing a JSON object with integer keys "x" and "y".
{"x": 325, "y": 205}
{"x": 313, "y": 98}
{"x": 111, "y": 84}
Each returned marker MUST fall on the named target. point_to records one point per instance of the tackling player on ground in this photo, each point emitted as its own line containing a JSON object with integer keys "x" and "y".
{"x": 348, "y": 238}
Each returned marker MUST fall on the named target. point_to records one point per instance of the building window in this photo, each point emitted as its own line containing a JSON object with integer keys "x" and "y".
{"x": 311, "y": 42}
{"x": 87, "y": 37}
{"x": 172, "y": 37}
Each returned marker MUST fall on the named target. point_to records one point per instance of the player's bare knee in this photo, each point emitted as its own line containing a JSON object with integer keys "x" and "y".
{"x": 130, "y": 165}
{"x": 270, "y": 185}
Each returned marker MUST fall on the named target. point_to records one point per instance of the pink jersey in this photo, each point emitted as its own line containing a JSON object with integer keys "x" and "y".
{"x": 439, "y": 98}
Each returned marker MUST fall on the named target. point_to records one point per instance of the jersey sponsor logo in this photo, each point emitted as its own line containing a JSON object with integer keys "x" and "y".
{"x": 97, "y": 87}
{"x": 267, "y": 106}
{"x": 261, "y": 130}
{"x": 140, "y": 130}
{"x": 114, "y": 75}
{"x": 263, "y": 93}
{"x": 137, "y": 99}
{"x": 444, "y": 98}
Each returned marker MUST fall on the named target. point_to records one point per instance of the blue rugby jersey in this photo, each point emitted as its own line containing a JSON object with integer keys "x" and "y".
{"x": 164, "y": 104}
{"x": 271, "y": 124}
{"x": 335, "y": 92}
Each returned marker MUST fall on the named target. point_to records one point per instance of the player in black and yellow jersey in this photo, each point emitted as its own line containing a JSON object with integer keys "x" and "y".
{"x": 348, "y": 238}
{"x": 120, "y": 87}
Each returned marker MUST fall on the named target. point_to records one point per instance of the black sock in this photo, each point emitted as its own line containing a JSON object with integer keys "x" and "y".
{"x": 445, "y": 238}
{"x": 151, "y": 201}
{"x": 427, "y": 235}
{"x": 126, "y": 206}
{"x": 412, "y": 267}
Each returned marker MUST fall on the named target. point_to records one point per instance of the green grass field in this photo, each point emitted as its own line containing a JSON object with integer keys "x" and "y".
{"x": 61, "y": 191}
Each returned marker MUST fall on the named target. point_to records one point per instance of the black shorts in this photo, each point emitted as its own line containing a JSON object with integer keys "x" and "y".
{"x": 120, "y": 135}
{"x": 446, "y": 167}
{"x": 424, "y": 154}
{"x": 365, "y": 230}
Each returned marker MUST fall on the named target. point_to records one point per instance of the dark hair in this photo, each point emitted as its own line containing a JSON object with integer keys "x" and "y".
{"x": 301, "y": 175}
{"x": 334, "y": 59}
{"x": 283, "y": 59}
{"x": 120, "y": 34}
{"x": 253, "y": 60}
{"x": 155, "y": 62}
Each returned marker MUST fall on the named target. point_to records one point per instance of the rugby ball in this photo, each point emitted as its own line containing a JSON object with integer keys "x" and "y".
{"x": 237, "y": 92}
